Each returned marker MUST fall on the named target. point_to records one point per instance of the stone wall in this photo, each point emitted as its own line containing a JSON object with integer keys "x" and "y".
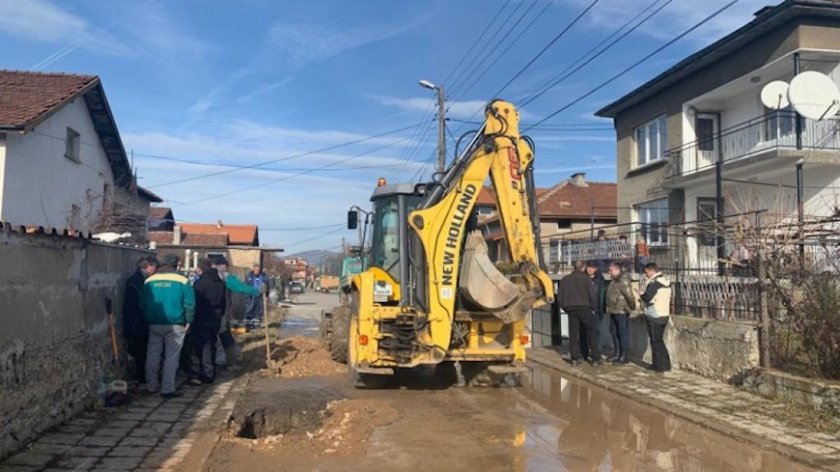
{"x": 55, "y": 344}
{"x": 819, "y": 394}
{"x": 716, "y": 349}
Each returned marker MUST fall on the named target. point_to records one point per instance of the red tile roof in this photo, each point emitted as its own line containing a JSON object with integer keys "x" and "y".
{"x": 215, "y": 240}
{"x": 26, "y": 96}
{"x": 160, "y": 237}
{"x": 486, "y": 197}
{"x": 566, "y": 200}
{"x": 238, "y": 235}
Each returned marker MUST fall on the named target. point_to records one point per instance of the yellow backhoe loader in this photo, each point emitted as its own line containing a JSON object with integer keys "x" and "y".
{"x": 430, "y": 293}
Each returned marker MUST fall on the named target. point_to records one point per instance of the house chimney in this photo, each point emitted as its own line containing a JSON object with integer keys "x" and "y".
{"x": 219, "y": 224}
{"x": 579, "y": 179}
{"x": 176, "y": 235}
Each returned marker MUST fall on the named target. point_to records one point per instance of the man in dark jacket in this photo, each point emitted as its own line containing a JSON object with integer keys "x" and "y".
{"x": 210, "y": 303}
{"x": 578, "y": 298}
{"x": 135, "y": 329}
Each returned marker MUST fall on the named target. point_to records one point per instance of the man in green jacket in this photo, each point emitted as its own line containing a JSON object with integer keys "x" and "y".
{"x": 168, "y": 305}
{"x": 621, "y": 301}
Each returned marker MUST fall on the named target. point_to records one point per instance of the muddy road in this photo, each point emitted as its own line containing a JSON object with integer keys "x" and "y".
{"x": 303, "y": 416}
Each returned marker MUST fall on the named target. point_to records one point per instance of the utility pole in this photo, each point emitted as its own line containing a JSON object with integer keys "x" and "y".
{"x": 441, "y": 129}
{"x": 441, "y": 100}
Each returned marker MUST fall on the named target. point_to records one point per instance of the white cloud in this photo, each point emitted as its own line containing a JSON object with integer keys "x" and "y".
{"x": 676, "y": 17}
{"x": 42, "y": 21}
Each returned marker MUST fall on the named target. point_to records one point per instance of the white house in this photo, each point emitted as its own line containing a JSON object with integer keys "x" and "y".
{"x": 62, "y": 162}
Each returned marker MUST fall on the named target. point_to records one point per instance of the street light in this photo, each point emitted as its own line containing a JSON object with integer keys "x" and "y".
{"x": 441, "y": 165}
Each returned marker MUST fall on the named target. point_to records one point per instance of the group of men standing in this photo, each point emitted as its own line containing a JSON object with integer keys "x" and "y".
{"x": 587, "y": 298}
{"x": 169, "y": 322}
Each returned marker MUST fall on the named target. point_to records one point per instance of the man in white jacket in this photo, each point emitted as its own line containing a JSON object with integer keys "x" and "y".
{"x": 657, "y": 299}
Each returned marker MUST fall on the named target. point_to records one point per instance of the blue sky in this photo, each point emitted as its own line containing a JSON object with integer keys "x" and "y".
{"x": 240, "y": 83}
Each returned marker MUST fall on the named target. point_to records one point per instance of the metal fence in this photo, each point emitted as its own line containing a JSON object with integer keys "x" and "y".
{"x": 704, "y": 285}
{"x": 773, "y": 131}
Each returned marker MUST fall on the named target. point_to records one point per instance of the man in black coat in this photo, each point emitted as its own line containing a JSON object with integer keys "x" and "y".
{"x": 135, "y": 329}
{"x": 579, "y": 300}
{"x": 210, "y": 303}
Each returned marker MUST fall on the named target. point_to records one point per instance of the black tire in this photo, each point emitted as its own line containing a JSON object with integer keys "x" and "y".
{"x": 340, "y": 334}
{"x": 365, "y": 381}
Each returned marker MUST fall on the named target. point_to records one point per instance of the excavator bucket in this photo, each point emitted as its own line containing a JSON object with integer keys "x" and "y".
{"x": 480, "y": 282}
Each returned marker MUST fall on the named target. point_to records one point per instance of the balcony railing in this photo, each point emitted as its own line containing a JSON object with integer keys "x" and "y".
{"x": 774, "y": 131}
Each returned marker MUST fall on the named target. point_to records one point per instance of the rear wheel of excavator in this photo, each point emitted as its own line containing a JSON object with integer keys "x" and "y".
{"x": 357, "y": 379}
{"x": 339, "y": 334}
{"x": 485, "y": 374}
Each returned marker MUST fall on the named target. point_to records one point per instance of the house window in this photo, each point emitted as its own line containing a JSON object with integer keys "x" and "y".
{"x": 564, "y": 224}
{"x": 706, "y": 221}
{"x": 651, "y": 141}
{"x": 485, "y": 210}
{"x": 72, "y": 142}
{"x": 653, "y": 221}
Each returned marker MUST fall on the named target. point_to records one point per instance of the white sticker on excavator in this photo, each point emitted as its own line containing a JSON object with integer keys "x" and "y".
{"x": 446, "y": 293}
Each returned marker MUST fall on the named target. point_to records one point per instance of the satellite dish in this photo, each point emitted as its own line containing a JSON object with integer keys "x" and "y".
{"x": 775, "y": 95}
{"x": 814, "y": 95}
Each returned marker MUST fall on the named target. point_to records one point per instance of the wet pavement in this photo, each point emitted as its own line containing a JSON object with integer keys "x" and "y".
{"x": 420, "y": 421}
{"x": 551, "y": 423}
{"x": 766, "y": 423}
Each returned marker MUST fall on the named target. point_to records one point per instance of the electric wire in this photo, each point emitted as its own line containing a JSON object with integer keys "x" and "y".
{"x": 509, "y": 44}
{"x": 287, "y": 177}
{"x": 286, "y": 158}
{"x": 578, "y": 65}
{"x": 635, "y": 64}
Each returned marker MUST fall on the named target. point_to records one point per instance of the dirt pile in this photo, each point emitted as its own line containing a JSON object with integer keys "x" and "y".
{"x": 302, "y": 357}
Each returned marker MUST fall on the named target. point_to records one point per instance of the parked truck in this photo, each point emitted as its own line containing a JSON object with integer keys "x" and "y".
{"x": 326, "y": 283}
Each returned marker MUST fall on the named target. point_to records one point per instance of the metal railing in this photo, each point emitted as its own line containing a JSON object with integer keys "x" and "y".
{"x": 770, "y": 132}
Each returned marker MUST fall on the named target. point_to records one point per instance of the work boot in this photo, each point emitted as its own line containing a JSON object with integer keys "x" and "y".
{"x": 232, "y": 357}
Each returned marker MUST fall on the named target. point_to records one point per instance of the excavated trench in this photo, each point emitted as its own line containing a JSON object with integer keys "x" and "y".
{"x": 293, "y": 411}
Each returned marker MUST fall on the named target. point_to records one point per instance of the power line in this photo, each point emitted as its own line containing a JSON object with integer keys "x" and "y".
{"x": 482, "y": 54}
{"x": 577, "y": 65}
{"x": 298, "y": 174}
{"x": 477, "y": 39}
{"x": 510, "y": 44}
{"x": 286, "y": 158}
{"x": 636, "y": 64}
{"x": 322, "y": 236}
{"x": 548, "y": 46}
{"x": 270, "y": 169}
{"x": 304, "y": 229}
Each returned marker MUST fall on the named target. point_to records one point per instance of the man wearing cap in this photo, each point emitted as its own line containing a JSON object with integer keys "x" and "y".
{"x": 168, "y": 305}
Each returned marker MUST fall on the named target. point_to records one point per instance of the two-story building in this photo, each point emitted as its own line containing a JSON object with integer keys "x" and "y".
{"x": 698, "y": 136}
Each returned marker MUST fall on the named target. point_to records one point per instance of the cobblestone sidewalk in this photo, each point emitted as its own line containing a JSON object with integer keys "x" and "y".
{"x": 151, "y": 433}
{"x": 716, "y": 405}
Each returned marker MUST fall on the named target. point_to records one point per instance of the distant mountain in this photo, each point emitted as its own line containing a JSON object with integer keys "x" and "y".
{"x": 315, "y": 257}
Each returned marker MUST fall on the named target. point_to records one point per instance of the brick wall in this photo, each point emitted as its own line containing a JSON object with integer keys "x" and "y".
{"x": 54, "y": 343}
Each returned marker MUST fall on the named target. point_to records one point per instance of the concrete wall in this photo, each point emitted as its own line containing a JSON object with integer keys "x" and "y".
{"x": 716, "y": 349}
{"x": 42, "y": 187}
{"x": 55, "y": 343}
{"x": 819, "y": 394}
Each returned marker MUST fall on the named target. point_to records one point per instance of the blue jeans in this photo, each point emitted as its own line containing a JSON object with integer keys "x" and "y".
{"x": 621, "y": 323}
